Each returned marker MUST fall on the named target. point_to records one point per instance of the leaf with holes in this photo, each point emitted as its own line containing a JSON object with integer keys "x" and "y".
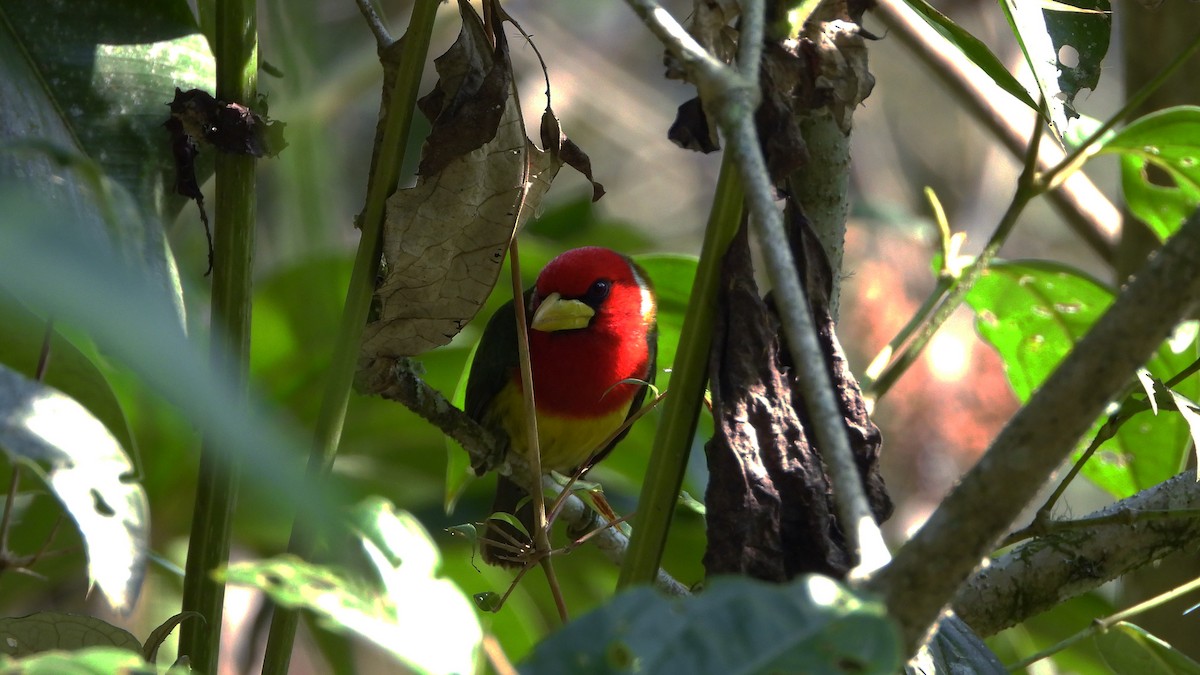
{"x": 1166, "y": 143}
{"x": 1033, "y": 313}
{"x": 89, "y": 473}
{"x": 1063, "y": 49}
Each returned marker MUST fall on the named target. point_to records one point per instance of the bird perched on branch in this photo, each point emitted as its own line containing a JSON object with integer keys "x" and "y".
{"x": 592, "y": 348}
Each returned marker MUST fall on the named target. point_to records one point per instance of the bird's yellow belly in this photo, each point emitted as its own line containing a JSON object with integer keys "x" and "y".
{"x": 565, "y": 442}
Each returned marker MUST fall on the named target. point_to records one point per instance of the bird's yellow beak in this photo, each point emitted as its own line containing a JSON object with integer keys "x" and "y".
{"x": 555, "y": 313}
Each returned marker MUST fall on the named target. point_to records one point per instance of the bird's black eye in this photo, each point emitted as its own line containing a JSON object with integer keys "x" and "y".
{"x": 597, "y": 293}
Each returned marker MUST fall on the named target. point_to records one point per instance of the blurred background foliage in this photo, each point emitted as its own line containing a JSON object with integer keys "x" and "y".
{"x": 608, "y": 89}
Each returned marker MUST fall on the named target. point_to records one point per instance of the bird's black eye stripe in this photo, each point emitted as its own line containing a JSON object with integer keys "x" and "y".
{"x": 597, "y": 293}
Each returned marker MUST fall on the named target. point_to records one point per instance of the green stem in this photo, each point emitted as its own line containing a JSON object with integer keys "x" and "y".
{"x": 332, "y": 415}
{"x": 233, "y": 250}
{"x": 668, "y": 459}
{"x": 1028, "y": 187}
{"x": 1101, "y": 625}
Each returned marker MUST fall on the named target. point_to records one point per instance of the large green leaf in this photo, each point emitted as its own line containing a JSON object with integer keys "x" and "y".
{"x": 424, "y": 621}
{"x": 88, "y": 288}
{"x": 736, "y": 626}
{"x": 96, "y": 75}
{"x": 83, "y": 93}
{"x": 1169, "y": 141}
{"x": 973, "y": 49}
{"x": 89, "y": 473}
{"x": 1130, "y": 650}
{"x": 1033, "y": 313}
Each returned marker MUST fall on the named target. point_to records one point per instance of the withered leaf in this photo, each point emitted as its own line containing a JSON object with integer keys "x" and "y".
{"x": 693, "y": 129}
{"x": 445, "y": 238}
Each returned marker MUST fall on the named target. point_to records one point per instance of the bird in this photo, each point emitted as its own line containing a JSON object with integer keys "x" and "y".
{"x": 592, "y": 348}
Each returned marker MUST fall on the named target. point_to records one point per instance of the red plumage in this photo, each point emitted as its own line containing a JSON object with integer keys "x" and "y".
{"x": 592, "y": 346}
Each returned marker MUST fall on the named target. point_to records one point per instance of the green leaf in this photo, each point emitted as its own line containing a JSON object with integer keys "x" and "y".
{"x": 1033, "y": 314}
{"x": 1130, "y": 650}
{"x": 88, "y": 472}
{"x": 973, "y": 49}
{"x": 673, "y": 277}
{"x": 160, "y": 634}
{"x": 1167, "y": 141}
{"x": 96, "y": 75}
{"x": 90, "y": 661}
{"x": 424, "y": 621}
{"x": 47, "y": 631}
{"x": 68, "y": 369}
{"x": 735, "y": 627}
{"x": 89, "y": 289}
{"x": 89, "y": 80}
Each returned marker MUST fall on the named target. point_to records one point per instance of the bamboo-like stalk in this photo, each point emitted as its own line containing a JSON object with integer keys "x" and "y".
{"x": 668, "y": 459}
{"x": 328, "y": 430}
{"x": 233, "y": 252}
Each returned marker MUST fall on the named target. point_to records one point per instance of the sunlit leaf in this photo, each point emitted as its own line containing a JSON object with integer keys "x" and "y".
{"x": 735, "y": 627}
{"x": 1063, "y": 49}
{"x": 1190, "y": 415}
{"x": 973, "y": 49}
{"x": 89, "y": 473}
{"x": 424, "y": 621}
{"x": 1167, "y": 141}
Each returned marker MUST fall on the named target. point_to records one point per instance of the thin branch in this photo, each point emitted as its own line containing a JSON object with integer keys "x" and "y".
{"x": 1081, "y": 555}
{"x": 929, "y": 568}
{"x": 1100, "y": 625}
{"x": 399, "y": 381}
{"x": 1026, "y": 191}
{"x": 732, "y": 97}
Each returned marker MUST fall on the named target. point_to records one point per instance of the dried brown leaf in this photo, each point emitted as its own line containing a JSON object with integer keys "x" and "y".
{"x": 445, "y": 238}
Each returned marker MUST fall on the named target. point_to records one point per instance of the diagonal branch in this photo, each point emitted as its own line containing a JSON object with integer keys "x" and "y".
{"x": 928, "y": 570}
{"x": 1099, "y": 547}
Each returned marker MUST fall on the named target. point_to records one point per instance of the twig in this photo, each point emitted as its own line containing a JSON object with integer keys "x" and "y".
{"x": 398, "y": 381}
{"x": 732, "y": 97}
{"x": 1101, "y": 625}
{"x": 1027, "y": 189}
{"x": 929, "y": 568}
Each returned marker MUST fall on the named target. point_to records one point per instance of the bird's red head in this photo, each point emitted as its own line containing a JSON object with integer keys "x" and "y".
{"x": 593, "y": 321}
